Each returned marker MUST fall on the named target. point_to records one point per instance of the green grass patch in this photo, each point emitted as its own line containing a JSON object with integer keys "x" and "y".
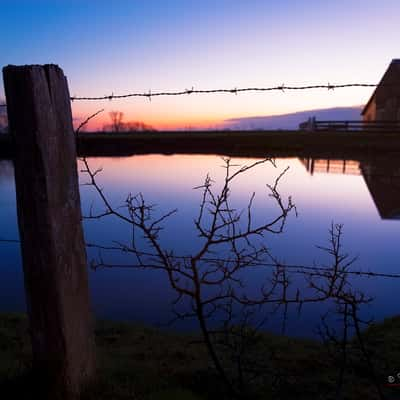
{"x": 141, "y": 363}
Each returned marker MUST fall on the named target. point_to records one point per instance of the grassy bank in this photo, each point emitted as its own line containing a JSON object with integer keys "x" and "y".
{"x": 327, "y": 144}
{"x": 240, "y": 143}
{"x": 136, "y": 362}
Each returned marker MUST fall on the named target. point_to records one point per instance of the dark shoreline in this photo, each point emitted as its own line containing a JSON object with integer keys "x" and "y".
{"x": 327, "y": 144}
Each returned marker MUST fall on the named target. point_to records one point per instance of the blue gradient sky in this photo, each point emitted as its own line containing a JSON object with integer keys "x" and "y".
{"x": 121, "y": 46}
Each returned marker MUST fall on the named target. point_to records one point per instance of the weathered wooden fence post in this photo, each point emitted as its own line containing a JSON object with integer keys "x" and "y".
{"x": 49, "y": 218}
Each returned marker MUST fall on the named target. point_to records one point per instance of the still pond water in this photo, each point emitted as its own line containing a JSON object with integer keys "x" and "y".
{"x": 364, "y": 196}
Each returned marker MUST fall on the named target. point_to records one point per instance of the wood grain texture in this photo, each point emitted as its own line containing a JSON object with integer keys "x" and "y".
{"x": 49, "y": 218}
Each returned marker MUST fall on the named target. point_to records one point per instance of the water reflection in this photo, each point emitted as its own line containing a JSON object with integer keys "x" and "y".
{"x": 6, "y": 171}
{"x": 316, "y": 165}
{"x": 344, "y": 191}
{"x": 381, "y": 176}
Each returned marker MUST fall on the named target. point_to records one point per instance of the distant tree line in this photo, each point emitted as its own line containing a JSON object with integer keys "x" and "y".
{"x": 119, "y": 125}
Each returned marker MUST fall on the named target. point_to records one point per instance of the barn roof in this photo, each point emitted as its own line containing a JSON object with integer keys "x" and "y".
{"x": 393, "y": 66}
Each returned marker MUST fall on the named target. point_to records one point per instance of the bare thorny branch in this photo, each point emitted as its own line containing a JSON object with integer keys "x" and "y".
{"x": 210, "y": 281}
{"x": 210, "y": 285}
{"x": 342, "y": 347}
{"x": 85, "y": 122}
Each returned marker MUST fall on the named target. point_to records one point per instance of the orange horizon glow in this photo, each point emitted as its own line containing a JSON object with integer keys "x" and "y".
{"x": 103, "y": 119}
{"x": 175, "y": 122}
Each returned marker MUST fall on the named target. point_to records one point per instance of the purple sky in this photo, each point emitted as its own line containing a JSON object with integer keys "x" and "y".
{"x": 124, "y": 46}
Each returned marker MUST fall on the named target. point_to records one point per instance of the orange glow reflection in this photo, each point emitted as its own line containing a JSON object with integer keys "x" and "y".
{"x": 177, "y": 175}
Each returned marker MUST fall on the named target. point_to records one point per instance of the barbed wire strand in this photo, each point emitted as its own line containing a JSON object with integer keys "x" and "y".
{"x": 235, "y": 90}
{"x": 298, "y": 268}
